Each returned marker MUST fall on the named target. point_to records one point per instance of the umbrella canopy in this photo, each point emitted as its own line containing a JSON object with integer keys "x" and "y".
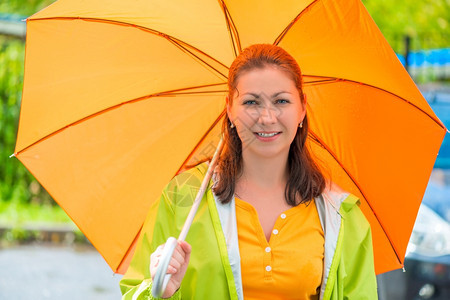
{"x": 119, "y": 96}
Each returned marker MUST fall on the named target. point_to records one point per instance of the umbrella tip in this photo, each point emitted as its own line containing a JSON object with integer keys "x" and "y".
{"x": 12, "y": 155}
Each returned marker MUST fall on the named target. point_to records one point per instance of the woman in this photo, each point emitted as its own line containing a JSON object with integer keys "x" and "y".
{"x": 268, "y": 227}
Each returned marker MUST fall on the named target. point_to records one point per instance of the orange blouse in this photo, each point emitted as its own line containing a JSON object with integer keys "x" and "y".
{"x": 290, "y": 265}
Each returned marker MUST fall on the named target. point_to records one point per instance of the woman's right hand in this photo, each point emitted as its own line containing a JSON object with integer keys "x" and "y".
{"x": 177, "y": 266}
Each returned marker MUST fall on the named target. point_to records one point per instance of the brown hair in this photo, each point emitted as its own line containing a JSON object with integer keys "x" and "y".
{"x": 305, "y": 178}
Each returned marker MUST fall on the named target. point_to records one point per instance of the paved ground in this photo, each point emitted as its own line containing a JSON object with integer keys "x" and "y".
{"x": 56, "y": 272}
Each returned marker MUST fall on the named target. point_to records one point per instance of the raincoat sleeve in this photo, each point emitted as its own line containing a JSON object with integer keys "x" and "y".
{"x": 159, "y": 225}
{"x": 357, "y": 270}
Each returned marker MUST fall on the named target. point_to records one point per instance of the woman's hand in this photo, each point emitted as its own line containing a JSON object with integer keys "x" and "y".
{"x": 177, "y": 266}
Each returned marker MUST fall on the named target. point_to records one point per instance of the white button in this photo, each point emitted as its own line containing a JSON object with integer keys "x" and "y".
{"x": 268, "y": 249}
{"x": 283, "y": 216}
{"x": 268, "y": 268}
{"x": 275, "y": 231}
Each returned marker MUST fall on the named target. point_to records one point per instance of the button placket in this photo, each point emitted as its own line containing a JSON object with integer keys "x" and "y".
{"x": 268, "y": 261}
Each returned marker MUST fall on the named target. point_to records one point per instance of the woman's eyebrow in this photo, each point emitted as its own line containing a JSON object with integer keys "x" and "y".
{"x": 259, "y": 95}
{"x": 252, "y": 94}
{"x": 282, "y": 92}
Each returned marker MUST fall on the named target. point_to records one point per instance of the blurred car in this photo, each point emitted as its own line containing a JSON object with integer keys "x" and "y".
{"x": 427, "y": 261}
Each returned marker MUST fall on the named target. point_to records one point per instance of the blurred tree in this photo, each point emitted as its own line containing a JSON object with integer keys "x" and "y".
{"x": 425, "y": 21}
{"x": 16, "y": 183}
{"x": 23, "y": 7}
{"x": 14, "y": 179}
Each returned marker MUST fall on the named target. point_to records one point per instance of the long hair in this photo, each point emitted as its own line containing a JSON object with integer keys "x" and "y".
{"x": 305, "y": 179}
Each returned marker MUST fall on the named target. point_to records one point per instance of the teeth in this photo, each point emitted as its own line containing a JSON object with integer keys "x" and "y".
{"x": 266, "y": 134}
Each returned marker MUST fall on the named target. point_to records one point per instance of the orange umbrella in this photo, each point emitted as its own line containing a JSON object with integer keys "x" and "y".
{"x": 119, "y": 96}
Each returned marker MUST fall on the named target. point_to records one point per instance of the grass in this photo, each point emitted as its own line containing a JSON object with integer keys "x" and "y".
{"x": 16, "y": 213}
{"x": 24, "y": 222}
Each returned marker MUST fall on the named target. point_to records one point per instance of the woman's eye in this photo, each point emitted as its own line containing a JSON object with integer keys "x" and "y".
{"x": 282, "y": 101}
{"x": 249, "y": 102}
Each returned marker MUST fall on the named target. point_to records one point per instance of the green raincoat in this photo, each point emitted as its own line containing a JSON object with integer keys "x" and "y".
{"x": 214, "y": 267}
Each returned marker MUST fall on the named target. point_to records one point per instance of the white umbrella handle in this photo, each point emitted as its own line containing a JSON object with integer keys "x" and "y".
{"x": 161, "y": 278}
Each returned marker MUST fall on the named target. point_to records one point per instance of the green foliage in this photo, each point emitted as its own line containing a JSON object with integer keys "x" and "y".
{"x": 17, "y": 212}
{"x": 425, "y": 21}
{"x": 23, "y": 7}
{"x": 17, "y": 185}
{"x": 24, "y": 222}
{"x": 17, "y": 234}
{"x": 14, "y": 178}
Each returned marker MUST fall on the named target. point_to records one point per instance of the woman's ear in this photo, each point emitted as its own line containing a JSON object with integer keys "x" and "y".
{"x": 303, "y": 113}
{"x": 227, "y": 100}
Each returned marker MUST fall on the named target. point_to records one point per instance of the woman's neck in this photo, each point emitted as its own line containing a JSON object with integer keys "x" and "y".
{"x": 265, "y": 173}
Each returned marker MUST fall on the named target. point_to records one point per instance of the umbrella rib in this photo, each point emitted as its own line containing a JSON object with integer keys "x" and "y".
{"x": 337, "y": 80}
{"x": 234, "y": 34}
{"x": 193, "y": 93}
{"x": 289, "y": 26}
{"x": 201, "y": 140}
{"x": 160, "y": 94}
{"x": 317, "y": 140}
{"x": 319, "y": 82}
{"x": 159, "y": 33}
{"x": 185, "y": 50}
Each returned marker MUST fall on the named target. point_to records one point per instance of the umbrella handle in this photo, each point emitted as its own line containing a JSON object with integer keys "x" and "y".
{"x": 200, "y": 193}
{"x": 161, "y": 277}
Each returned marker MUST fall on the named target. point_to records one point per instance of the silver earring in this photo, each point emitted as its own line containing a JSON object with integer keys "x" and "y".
{"x": 301, "y": 124}
{"x": 232, "y": 125}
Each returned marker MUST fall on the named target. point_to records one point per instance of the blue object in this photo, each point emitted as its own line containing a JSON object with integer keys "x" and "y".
{"x": 440, "y": 103}
{"x": 422, "y": 58}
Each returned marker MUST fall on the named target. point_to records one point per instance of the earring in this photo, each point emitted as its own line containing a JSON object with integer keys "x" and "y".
{"x": 301, "y": 124}
{"x": 231, "y": 125}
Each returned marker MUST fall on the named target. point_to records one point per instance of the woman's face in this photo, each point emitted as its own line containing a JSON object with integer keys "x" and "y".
{"x": 266, "y": 110}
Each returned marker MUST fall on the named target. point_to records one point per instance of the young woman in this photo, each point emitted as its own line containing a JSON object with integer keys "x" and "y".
{"x": 269, "y": 227}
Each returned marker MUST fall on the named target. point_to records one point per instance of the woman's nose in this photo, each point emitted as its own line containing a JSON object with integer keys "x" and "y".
{"x": 267, "y": 115}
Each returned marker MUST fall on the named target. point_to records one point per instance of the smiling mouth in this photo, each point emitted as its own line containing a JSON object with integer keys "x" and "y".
{"x": 263, "y": 134}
